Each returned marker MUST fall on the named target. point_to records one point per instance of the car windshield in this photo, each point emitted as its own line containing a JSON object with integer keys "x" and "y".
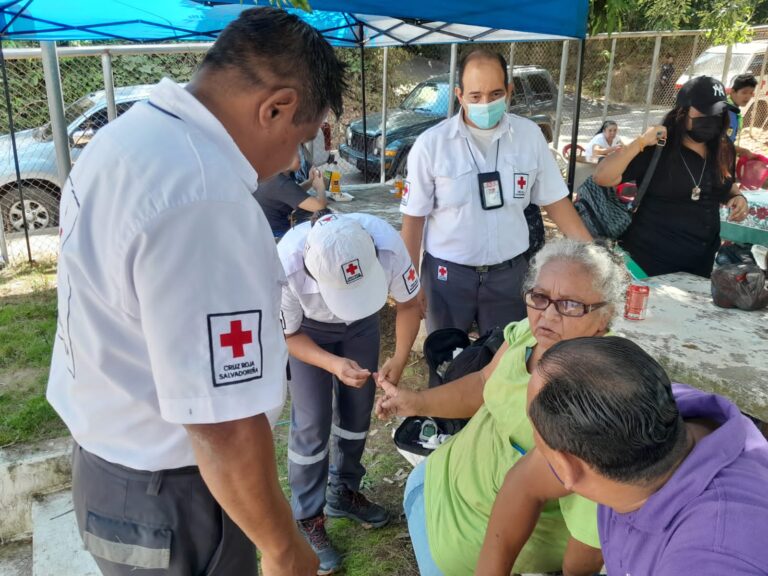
{"x": 71, "y": 113}
{"x": 711, "y": 64}
{"x": 431, "y": 97}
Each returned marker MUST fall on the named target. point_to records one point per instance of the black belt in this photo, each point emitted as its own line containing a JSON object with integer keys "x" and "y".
{"x": 491, "y": 267}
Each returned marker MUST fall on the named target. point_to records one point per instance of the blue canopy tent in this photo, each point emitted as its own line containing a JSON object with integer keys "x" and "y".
{"x": 344, "y": 23}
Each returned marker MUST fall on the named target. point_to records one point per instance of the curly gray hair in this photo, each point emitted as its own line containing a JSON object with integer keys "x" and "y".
{"x": 609, "y": 276}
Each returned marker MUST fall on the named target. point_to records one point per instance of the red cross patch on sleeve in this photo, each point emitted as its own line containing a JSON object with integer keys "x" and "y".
{"x": 411, "y": 279}
{"x": 406, "y": 192}
{"x": 235, "y": 343}
{"x": 521, "y": 185}
{"x": 352, "y": 271}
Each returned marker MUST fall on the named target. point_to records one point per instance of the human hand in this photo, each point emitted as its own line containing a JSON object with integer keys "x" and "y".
{"x": 652, "y": 136}
{"x": 316, "y": 178}
{"x": 396, "y": 401}
{"x": 351, "y": 373}
{"x": 301, "y": 560}
{"x": 391, "y": 371}
{"x": 739, "y": 208}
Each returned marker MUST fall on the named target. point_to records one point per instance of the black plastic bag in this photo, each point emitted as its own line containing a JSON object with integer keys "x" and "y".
{"x": 739, "y": 286}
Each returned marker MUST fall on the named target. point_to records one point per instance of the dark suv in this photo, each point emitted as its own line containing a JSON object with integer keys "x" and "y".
{"x": 535, "y": 97}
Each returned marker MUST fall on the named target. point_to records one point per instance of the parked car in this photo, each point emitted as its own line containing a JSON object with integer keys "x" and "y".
{"x": 37, "y": 159}
{"x": 745, "y": 58}
{"x": 535, "y": 97}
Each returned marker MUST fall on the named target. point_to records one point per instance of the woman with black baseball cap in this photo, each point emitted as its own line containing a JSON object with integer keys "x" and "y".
{"x": 677, "y": 227}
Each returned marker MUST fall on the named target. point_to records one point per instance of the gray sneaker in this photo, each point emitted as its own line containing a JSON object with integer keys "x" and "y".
{"x": 313, "y": 530}
{"x": 344, "y": 503}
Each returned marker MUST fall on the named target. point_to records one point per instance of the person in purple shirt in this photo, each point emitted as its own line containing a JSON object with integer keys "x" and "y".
{"x": 680, "y": 475}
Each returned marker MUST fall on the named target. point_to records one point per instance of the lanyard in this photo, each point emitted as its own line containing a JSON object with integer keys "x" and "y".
{"x": 495, "y": 166}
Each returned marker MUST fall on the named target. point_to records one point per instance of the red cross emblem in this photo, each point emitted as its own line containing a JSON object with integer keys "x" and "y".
{"x": 522, "y": 182}
{"x": 412, "y": 275}
{"x": 352, "y": 271}
{"x": 442, "y": 273}
{"x": 236, "y": 338}
{"x": 411, "y": 279}
{"x": 327, "y": 219}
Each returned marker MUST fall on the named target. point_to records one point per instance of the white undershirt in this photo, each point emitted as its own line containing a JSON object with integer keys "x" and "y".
{"x": 482, "y": 138}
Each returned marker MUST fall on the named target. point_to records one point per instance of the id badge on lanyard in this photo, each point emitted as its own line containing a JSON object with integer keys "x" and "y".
{"x": 489, "y": 184}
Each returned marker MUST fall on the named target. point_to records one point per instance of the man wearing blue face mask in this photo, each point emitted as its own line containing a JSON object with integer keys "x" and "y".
{"x": 470, "y": 178}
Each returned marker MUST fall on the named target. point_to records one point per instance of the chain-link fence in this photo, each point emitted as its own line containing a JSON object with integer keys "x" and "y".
{"x": 629, "y": 78}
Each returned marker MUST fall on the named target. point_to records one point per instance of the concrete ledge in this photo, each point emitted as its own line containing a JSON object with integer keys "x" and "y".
{"x": 27, "y": 470}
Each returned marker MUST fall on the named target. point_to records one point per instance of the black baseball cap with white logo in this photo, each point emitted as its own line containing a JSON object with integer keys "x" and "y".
{"x": 704, "y": 93}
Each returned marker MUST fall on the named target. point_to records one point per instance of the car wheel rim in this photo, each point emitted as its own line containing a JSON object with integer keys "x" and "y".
{"x": 36, "y": 213}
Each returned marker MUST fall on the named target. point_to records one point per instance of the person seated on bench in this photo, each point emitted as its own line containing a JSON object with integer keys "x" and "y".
{"x": 679, "y": 474}
{"x": 573, "y": 289}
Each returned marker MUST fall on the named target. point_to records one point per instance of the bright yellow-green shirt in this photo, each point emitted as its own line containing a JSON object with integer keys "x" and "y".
{"x": 464, "y": 475}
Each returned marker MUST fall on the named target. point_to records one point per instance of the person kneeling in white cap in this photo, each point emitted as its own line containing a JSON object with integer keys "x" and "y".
{"x": 340, "y": 270}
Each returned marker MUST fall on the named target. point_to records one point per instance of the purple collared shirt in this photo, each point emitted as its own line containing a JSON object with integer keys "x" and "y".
{"x": 711, "y": 517}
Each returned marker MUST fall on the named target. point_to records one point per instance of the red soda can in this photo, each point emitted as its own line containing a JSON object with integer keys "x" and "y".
{"x": 637, "y": 302}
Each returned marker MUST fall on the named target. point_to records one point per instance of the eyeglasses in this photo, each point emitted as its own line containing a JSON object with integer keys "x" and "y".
{"x": 569, "y": 308}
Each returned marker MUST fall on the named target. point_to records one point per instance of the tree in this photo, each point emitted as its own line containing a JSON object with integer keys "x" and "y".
{"x": 729, "y": 21}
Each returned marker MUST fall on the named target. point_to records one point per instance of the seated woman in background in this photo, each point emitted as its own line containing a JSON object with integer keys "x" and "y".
{"x": 604, "y": 142}
{"x": 677, "y": 226}
{"x": 574, "y": 289}
{"x": 280, "y": 197}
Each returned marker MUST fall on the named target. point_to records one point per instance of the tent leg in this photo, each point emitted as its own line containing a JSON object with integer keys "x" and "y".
{"x": 109, "y": 85}
{"x": 56, "y": 109}
{"x": 365, "y": 123}
{"x": 561, "y": 94}
{"x": 452, "y": 79}
{"x": 382, "y": 156}
{"x": 575, "y": 122}
{"x": 12, "y": 132}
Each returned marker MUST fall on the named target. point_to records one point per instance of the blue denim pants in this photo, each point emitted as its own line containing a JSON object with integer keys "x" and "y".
{"x": 413, "y": 502}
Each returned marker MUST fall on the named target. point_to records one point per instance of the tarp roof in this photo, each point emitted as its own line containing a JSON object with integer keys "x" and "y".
{"x": 382, "y": 22}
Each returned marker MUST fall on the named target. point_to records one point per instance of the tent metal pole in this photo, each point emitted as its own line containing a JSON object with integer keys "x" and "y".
{"x": 362, "y": 89}
{"x": 452, "y": 78}
{"x": 109, "y": 85}
{"x": 383, "y": 148}
{"x": 608, "y": 80}
{"x": 652, "y": 81}
{"x": 576, "y": 114}
{"x": 56, "y": 109}
{"x": 12, "y": 132}
{"x": 561, "y": 93}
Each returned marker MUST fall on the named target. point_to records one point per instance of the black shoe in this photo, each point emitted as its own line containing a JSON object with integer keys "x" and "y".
{"x": 313, "y": 529}
{"x": 344, "y": 503}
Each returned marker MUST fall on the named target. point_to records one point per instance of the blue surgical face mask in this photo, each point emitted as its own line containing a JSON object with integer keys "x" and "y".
{"x": 486, "y": 116}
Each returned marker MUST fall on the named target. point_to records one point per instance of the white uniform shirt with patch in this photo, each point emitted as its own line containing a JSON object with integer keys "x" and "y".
{"x": 301, "y": 296}
{"x": 169, "y": 287}
{"x": 443, "y": 186}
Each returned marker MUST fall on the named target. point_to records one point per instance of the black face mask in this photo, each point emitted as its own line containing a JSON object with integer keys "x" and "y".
{"x": 705, "y": 128}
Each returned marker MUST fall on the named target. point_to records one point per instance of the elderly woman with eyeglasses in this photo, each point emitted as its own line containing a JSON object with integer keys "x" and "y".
{"x": 574, "y": 289}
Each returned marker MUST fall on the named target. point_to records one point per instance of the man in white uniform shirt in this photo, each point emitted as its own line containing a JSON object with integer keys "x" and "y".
{"x": 340, "y": 271}
{"x": 169, "y": 351}
{"x": 470, "y": 179}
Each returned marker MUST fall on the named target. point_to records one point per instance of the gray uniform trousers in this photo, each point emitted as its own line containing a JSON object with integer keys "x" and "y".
{"x": 155, "y": 523}
{"x": 328, "y": 416}
{"x": 491, "y": 298}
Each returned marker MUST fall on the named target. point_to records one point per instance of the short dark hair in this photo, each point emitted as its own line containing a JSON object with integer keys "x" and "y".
{"x": 265, "y": 43}
{"x": 610, "y": 404}
{"x": 482, "y": 54}
{"x": 744, "y": 81}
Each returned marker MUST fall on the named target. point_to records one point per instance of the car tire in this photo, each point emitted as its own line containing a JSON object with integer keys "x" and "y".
{"x": 42, "y": 206}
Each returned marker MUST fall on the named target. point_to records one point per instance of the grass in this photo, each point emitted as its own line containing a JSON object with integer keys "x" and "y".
{"x": 27, "y": 331}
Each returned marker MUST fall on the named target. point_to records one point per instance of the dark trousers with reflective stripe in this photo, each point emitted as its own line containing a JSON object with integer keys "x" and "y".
{"x": 329, "y": 420}
{"x": 155, "y": 523}
{"x": 492, "y": 298}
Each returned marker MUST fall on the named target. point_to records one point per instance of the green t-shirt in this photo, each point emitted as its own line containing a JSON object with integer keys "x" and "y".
{"x": 464, "y": 475}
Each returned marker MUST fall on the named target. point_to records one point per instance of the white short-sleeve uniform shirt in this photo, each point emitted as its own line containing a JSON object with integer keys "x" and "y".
{"x": 169, "y": 287}
{"x": 443, "y": 187}
{"x": 301, "y": 295}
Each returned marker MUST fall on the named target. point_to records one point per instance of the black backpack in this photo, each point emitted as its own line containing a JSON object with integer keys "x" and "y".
{"x": 439, "y": 348}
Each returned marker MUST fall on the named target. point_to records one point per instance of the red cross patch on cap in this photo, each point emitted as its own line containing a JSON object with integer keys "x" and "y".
{"x": 352, "y": 271}
{"x": 235, "y": 344}
{"x": 326, "y": 219}
{"x": 442, "y": 273}
{"x": 411, "y": 279}
{"x": 521, "y": 185}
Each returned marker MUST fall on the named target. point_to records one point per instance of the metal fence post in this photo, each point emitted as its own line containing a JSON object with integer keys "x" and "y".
{"x": 561, "y": 94}
{"x": 694, "y": 50}
{"x": 760, "y": 87}
{"x": 609, "y": 79}
{"x": 727, "y": 64}
{"x": 109, "y": 85}
{"x": 383, "y": 147}
{"x": 651, "y": 81}
{"x": 512, "y": 56}
{"x": 56, "y": 108}
{"x": 452, "y": 78}
{"x": 576, "y": 115}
